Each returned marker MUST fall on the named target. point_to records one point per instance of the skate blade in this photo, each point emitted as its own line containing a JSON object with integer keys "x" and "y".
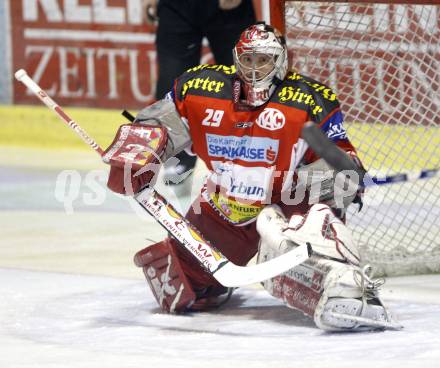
{"x": 368, "y": 322}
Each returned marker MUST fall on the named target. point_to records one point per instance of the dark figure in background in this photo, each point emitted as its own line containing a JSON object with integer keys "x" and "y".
{"x": 182, "y": 25}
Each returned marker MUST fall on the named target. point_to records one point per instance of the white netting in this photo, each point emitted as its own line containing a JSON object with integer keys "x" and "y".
{"x": 383, "y": 61}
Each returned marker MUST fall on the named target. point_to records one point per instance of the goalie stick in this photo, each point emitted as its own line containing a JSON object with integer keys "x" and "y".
{"x": 340, "y": 161}
{"x": 223, "y": 270}
{"x": 23, "y": 77}
{"x": 330, "y": 152}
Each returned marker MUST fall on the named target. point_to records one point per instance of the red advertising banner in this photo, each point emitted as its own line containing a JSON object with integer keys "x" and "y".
{"x": 97, "y": 53}
{"x": 85, "y": 52}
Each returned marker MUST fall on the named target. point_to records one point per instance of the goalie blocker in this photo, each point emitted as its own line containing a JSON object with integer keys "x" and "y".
{"x": 139, "y": 149}
{"x": 134, "y": 157}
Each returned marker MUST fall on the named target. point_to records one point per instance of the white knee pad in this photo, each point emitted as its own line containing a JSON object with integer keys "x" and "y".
{"x": 326, "y": 233}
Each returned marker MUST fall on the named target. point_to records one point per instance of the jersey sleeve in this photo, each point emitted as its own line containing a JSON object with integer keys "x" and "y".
{"x": 202, "y": 81}
{"x": 331, "y": 121}
{"x": 177, "y": 95}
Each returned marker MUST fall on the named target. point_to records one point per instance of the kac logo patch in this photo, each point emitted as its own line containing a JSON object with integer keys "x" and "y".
{"x": 336, "y": 131}
{"x": 334, "y": 127}
{"x": 271, "y": 119}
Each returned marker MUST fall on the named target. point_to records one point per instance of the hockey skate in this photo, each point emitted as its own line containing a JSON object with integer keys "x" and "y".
{"x": 210, "y": 298}
{"x": 359, "y": 314}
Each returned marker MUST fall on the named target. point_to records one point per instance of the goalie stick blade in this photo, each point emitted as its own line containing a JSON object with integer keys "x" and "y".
{"x": 231, "y": 275}
{"x": 388, "y": 325}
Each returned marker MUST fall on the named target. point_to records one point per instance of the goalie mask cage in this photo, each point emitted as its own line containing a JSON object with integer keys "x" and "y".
{"x": 383, "y": 60}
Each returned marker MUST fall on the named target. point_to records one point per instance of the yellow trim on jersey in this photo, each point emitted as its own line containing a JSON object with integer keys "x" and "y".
{"x": 234, "y": 211}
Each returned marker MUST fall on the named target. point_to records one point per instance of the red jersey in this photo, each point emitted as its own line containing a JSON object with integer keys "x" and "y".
{"x": 252, "y": 153}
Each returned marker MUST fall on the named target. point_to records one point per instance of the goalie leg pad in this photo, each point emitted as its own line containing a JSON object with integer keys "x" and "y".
{"x": 319, "y": 226}
{"x": 300, "y": 288}
{"x": 328, "y": 292}
{"x": 165, "y": 275}
{"x": 327, "y": 234}
{"x": 329, "y": 287}
{"x": 177, "y": 280}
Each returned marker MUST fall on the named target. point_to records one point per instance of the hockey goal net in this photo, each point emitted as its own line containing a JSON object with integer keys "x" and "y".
{"x": 383, "y": 61}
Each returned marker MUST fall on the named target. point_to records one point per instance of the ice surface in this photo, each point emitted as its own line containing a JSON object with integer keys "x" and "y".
{"x": 62, "y": 320}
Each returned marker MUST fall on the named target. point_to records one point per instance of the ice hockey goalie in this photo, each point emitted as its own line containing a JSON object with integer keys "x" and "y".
{"x": 245, "y": 122}
{"x": 331, "y": 287}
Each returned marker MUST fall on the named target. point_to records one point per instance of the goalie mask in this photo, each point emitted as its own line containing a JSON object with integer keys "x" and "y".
{"x": 260, "y": 57}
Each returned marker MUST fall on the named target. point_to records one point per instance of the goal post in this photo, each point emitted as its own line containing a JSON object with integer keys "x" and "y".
{"x": 382, "y": 58}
